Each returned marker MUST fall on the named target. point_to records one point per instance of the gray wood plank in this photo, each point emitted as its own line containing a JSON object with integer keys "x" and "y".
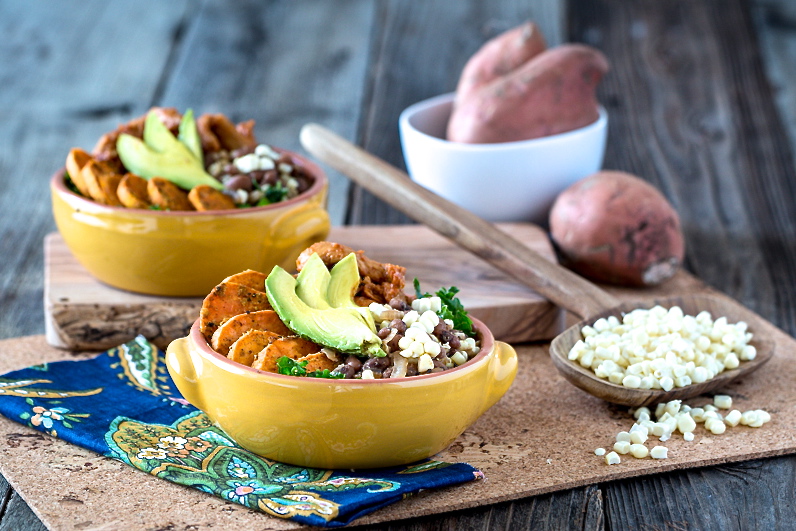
{"x": 419, "y": 52}
{"x": 281, "y": 63}
{"x": 691, "y": 110}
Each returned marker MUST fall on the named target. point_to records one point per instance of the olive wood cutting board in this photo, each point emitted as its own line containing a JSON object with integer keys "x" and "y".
{"x": 539, "y": 438}
{"x": 83, "y": 313}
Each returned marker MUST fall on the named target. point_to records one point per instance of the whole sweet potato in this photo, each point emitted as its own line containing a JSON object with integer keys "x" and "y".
{"x": 499, "y": 56}
{"x": 552, "y": 93}
{"x": 614, "y": 227}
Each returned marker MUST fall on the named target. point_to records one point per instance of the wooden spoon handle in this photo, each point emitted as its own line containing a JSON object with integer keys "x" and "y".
{"x": 564, "y": 288}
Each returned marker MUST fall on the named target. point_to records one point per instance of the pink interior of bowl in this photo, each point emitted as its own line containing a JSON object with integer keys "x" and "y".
{"x": 487, "y": 344}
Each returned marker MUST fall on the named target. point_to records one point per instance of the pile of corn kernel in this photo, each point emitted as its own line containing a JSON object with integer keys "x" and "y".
{"x": 662, "y": 349}
{"x": 674, "y": 417}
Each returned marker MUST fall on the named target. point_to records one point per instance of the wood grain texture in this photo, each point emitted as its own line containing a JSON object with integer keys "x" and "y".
{"x": 518, "y": 445}
{"x": 692, "y": 112}
{"x": 412, "y": 63}
{"x": 84, "y": 314}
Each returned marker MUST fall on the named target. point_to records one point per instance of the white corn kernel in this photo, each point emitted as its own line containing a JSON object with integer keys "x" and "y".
{"x": 639, "y": 451}
{"x": 599, "y": 451}
{"x": 425, "y": 363}
{"x": 685, "y": 423}
{"x": 623, "y": 436}
{"x": 688, "y": 436}
{"x": 715, "y": 426}
{"x": 612, "y": 458}
{"x": 722, "y": 401}
{"x": 622, "y": 447}
{"x": 732, "y": 418}
{"x": 458, "y": 358}
{"x": 638, "y": 413}
{"x": 367, "y": 374}
{"x": 659, "y": 452}
{"x": 638, "y": 437}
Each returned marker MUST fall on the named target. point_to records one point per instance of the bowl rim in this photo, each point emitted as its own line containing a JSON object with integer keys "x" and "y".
{"x": 406, "y": 116}
{"x": 488, "y": 344}
{"x": 320, "y": 181}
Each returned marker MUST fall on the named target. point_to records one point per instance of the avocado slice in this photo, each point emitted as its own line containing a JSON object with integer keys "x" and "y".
{"x": 160, "y": 154}
{"x": 312, "y": 283}
{"x": 339, "y": 328}
{"x": 343, "y": 285}
{"x": 189, "y": 135}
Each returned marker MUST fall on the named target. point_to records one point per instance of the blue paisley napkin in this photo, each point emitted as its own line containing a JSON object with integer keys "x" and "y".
{"x": 123, "y": 404}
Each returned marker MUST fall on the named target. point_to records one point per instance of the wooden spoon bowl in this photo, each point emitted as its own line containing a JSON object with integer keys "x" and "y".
{"x": 560, "y": 285}
{"x": 586, "y": 379}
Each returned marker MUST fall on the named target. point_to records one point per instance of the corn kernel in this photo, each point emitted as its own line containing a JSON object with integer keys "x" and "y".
{"x": 599, "y": 451}
{"x": 622, "y": 447}
{"x": 639, "y": 451}
{"x": 659, "y": 452}
{"x": 722, "y": 401}
{"x": 612, "y": 458}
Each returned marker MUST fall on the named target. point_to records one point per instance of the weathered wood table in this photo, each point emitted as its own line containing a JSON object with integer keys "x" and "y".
{"x": 700, "y": 104}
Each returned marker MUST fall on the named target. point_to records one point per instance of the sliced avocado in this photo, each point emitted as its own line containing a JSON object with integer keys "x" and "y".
{"x": 160, "y": 154}
{"x": 343, "y": 285}
{"x": 189, "y": 135}
{"x": 312, "y": 283}
{"x": 339, "y": 328}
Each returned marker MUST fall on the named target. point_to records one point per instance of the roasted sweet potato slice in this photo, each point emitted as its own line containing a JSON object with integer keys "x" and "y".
{"x": 294, "y": 347}
{"x": 217, "y": 132}
{"x": 132, "y": 191}
{"x": 227, "y": 300}
{"x": 250, "y": 278}
{"x": 75, "y": 162}
{"x": 229, "y": 332}
{"x": 249, "y": 345}
{"x": 101, "y": 182}
{"x": 318, "y": 362}
{"x": 205, "y": 197}
{"x": 166, "y": 195}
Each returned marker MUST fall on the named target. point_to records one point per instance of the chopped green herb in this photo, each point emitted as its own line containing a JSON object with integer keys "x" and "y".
{"x": 275, "y": 193}
{"x": 70, "y": 184}
{"x": 452, "y": 307}
{"x": 292, "y": 367}
{"x": 154, "y": 207}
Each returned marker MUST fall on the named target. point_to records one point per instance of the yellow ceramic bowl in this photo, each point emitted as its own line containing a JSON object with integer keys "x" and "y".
{"x": 340, "y": 423}
{"x": 187, "y": 253}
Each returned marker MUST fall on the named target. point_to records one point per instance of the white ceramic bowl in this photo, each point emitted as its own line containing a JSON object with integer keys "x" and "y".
{"x": 510, "y": 181}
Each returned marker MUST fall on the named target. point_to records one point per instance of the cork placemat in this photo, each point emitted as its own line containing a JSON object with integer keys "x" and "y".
{"x": 539, "y": 438}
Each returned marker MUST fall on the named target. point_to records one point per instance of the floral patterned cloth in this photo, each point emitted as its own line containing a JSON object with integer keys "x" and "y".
{"x": 123, "y": 404}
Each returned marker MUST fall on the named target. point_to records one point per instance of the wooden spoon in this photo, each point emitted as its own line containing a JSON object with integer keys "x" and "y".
{"x": 560, "y": 285}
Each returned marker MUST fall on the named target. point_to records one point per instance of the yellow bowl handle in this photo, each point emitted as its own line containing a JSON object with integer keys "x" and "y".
{"x": 181, "y": 368}
{"x": 502, "y": 370}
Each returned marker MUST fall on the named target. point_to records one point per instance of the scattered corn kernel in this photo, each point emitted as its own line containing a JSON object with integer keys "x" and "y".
{"x": 639, "y": 451}
{"x": 599, "y": 451}
{"x": 722, "y": 401}
{"x": 659, "y": 452}
{"x": 688, "y": 436}
{"x": 623, "y": 436}
{"x": 733, "y": 418}
{"x": 638, "y": 437}
{"x": 622, "y": 447}
{"x": 612, "y": 458}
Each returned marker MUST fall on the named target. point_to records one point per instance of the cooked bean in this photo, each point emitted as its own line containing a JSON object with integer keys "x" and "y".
{"x": 398, "y": 325}
{"x": 385, "y": 332}
{"x": 353, "y": 361}
{"x": 239, "y": 182}
{"x": 399, "y": 304}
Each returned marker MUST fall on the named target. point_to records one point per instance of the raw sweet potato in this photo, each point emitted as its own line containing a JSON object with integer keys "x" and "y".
{"x": 552, "y": 93}
{"x": 229, "y": 332}
{"x": 132, "y": 191}
{"x": 614, "y": 227}
{"x": 499, "y": 56}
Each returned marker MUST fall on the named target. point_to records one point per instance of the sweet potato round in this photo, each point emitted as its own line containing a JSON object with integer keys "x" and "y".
{"x": 614, "y": 227}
